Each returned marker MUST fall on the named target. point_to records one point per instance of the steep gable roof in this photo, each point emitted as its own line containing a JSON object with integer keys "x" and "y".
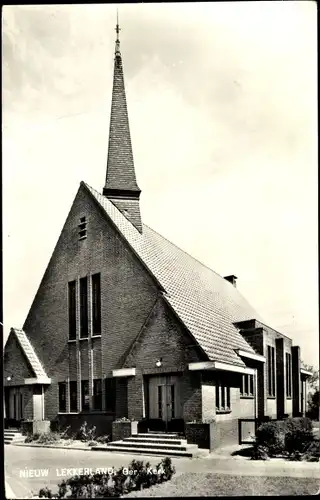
{"x": 29, "y": 352}
{"x": 205, "y": 302}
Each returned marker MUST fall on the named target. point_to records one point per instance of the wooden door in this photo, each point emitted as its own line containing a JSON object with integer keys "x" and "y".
{"x": 164, "y": 401}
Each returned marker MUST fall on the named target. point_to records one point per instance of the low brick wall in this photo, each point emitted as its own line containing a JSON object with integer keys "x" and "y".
{"x": 226, "y": 433}
{"x": 101, "y": 421}
{"x": 26, "y": 427}
{"x": 200, "y": 434}
{"x": 35, "y": 427}
{"x": 121, "y": 430}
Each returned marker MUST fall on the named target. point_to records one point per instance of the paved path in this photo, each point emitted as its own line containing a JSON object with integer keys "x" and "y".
{"x": 49, "y": 465}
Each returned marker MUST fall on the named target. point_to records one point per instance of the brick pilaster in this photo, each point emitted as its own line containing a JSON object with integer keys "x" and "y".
{"x": 78, "y": 345}
{"x": 280, "y": 378}
{"x": 296, "y": 381}
{"x": 90, "y": 354}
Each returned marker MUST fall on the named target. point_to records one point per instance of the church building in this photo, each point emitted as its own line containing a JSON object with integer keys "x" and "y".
{"x": 126, "y": 324}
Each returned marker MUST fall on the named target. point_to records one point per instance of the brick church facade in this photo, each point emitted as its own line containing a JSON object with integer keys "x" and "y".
{"x": 125, "y": 324}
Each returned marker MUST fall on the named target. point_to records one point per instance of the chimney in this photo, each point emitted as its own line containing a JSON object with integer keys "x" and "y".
{"x": 232, "y": 279}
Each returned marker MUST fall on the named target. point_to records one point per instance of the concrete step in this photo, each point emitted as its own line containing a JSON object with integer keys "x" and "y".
{"x": 157, "y": 435}
{"x": 10, "y": 437}
{"x": 133, "y": 444}
{"x": 14, "y": 441}
{"x": 144, "y": 451}
{"x": 139, "y": 439}
{"x": 13, "y": 430}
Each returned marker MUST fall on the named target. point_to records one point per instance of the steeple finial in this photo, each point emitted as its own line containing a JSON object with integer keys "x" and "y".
{"x": 118, "y": 29}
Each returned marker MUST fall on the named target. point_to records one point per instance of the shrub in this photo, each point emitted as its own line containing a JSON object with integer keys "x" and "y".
{"x": 271, "y": 435}
{"x": 92, "y": 443}
{"x": 260, "y": 453}
{"x": 103, "y": 439}
{"x": 298, "y": 440}
{"x": 32, "y": 437}
{"x": 115, "y": 485}
{"x": 65, "y": 433}
{"x": 85, "y": 433}
{"x": 313, "y": 405}
{"x": 45, "y": 493}
{"x": 291, "y": 437}
{"x": 312, "y": 451}
{"x": 298, "y": 423}
{"x": 123, "y": 419}
{"x": 51, "y": 437}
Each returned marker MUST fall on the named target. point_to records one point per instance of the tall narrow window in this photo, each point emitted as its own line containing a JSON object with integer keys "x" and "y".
{"x": 96, "y": 304}
{"x": 82, "y": 228}
{"x": 247, "y": 386}
{"x": 62, "y": 397}
{"x": 84, "y": 307}
{"x": 72, "y": 310}
{"x": 73, "y": 396}
{"x": 85, "y": 395}
{"x": 110, "y": 394}
{"x": 222, "y": 397}
{"x": 288, "y": 375}
{"x": 97, "y": 394}
{"x": 271, "y": 372}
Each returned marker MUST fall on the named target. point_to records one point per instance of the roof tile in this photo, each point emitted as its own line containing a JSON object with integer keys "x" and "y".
{"x": 29, "y": 353}
{"x": 206, "y": 303}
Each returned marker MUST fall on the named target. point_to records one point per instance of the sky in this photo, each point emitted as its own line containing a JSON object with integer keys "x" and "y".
{"x": 222, "y": 103}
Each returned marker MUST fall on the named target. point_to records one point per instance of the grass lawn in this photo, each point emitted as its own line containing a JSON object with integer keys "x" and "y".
{"x": 199, "y": 484}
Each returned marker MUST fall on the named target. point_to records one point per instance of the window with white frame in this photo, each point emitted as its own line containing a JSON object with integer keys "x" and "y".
{"x": 247, "y": 386}
{"x": 222, "y": 396}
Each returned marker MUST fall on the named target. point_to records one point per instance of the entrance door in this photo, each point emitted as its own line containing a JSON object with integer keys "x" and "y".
{"x": 14, "y": 404}
{"x": 164, "y": 401}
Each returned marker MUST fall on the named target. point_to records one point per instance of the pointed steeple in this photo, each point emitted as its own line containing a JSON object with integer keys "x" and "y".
{"x": 121, "y": 186}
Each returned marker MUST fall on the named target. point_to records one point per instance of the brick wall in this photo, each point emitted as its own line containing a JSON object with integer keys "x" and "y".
{"x": 128, "y": 294}
{"x": 16, "y": 365}
{"x": 28, "y": 402}
{"x": 280, "y": 376}
{"x": 260, "y": 336}
{"x": 163, "y": 337}
{"x": 191, "y": 394}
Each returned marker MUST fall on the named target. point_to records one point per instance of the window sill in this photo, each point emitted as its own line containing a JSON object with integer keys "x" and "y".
{"x": 96, "y": 336}
{"x": 84, "y": 338}
{"x": 289, "y": 397}
{"x": 68, "y": 413}
{"x": 222, "y": 412}
{"x": 72, "y": 340}
{"x": 271, "y": 397}
{"x": 246, "y": 396}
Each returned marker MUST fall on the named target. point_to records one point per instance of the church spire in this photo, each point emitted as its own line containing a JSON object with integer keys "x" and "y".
{"x": 121, "y": 187}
